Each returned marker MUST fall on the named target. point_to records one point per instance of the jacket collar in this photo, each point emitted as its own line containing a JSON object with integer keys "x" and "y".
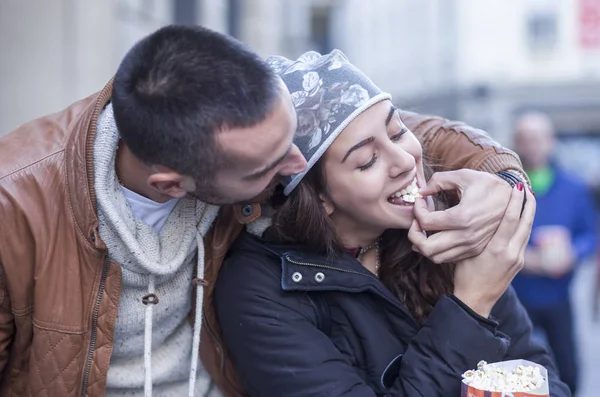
{"x": 302, "y": 270}
{"x": 80, "y": 165}
{"x": 319, "y": 272}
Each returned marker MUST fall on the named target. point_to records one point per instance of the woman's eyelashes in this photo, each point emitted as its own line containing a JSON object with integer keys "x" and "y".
{"x": 369, "y": 164}
{"x": 397, "y": 136}
{"x": 393, "y": 138}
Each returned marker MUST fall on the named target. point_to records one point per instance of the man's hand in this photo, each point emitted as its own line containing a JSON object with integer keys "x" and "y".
{"x": 465, "y": 229}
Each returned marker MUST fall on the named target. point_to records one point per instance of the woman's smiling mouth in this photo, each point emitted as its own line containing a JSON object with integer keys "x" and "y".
{"x": 407, "y": 195}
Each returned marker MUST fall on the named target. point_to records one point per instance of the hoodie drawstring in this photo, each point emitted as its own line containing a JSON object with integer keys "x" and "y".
{"x": 197, "y": 317}
{"x": 151, "y": 299}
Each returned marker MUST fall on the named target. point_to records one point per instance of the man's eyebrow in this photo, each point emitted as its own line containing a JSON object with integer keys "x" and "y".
{"x": 268, "y": 168}
{"x": 393, "y": 109}
{"x": 358, "y": 146}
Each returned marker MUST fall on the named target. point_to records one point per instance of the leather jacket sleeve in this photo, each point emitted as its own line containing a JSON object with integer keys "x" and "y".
{"x": 6, "y": 322}
{"x": 452, "y": 145}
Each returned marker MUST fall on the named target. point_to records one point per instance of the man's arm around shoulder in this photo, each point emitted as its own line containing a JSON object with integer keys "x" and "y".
{"x": 453, "y": 145}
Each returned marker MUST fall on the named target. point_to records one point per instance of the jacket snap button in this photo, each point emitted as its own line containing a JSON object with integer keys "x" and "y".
{"x": 247, "y": 210}
{"x": 319, "y": 277}
{"x": 296, "y": 277}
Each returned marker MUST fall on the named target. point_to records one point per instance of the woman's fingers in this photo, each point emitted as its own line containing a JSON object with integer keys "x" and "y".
{"x": 521, "y": 235}
{"x": 512, "y": 218}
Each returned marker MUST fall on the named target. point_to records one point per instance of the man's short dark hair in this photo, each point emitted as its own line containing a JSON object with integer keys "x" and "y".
{"x": 180, "y": 85}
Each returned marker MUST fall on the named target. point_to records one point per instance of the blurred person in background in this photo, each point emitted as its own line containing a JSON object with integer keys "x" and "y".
{"x": 563, "y": 235}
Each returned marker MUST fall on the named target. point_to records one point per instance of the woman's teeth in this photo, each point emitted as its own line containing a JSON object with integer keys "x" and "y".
{"x": 408, "y": 195}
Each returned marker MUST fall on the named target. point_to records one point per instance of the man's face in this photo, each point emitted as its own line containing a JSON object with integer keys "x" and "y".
{"x": 259, "y": 154}
{"x": 534, "y": 142}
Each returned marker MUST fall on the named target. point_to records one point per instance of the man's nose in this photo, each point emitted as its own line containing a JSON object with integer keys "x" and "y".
{"x": 294, "y": 164}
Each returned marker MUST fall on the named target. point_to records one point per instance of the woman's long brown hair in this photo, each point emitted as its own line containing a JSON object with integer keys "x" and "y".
{"x": 414, "y": 279}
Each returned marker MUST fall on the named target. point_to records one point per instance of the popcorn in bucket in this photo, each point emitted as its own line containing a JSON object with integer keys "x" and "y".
{"x": 516, "y": 378}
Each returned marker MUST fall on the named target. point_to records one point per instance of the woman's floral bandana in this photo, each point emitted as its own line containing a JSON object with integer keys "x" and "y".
{"x": 328, "y": 92}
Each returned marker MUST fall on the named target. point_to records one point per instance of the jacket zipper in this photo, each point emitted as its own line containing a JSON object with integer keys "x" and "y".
{"x": 330, "y": 267}
{"x": 88, "y": 363}
{"x": 400, "y": 306}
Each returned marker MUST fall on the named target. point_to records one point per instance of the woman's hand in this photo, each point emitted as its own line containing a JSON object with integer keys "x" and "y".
{"x": 480, "y": 281}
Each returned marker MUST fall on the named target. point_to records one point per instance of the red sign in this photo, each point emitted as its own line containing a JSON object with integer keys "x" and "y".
{"x": 589, "y": 23}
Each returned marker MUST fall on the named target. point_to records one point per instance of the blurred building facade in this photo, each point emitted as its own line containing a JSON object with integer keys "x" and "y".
{"x": 54, "y": 52}
{"x": 478, "y": 61}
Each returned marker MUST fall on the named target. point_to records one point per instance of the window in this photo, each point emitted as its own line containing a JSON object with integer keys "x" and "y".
{"x": 234, "y": 14}
{"x": 185, "y": 12}
{"x": 542, "y": 31}
{"x": 320, "y": 25}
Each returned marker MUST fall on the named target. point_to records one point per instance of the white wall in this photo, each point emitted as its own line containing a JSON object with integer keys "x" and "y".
{"x": 53, "y": 52}
{"x": 135, "y": 19}
{"x": 404, "y": 46}
{"x": 57, "y": 51}
{"x": 407, "y": 47}
{"x": 493, "y": 44}
{"x": 213, "y": 14}
{"x": 262, "y": 25}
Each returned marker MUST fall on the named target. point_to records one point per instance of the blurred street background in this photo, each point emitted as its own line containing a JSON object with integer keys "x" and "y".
{"x": 478, "y": 61}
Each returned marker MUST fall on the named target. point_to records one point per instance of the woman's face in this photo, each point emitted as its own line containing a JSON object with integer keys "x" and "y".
{"x": 374, "y": 158}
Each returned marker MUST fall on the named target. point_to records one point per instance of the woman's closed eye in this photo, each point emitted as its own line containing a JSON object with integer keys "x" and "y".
{"x": 394, "y": 138}
{"x": 369, "y": 164}
{"x": 397, "y": 136}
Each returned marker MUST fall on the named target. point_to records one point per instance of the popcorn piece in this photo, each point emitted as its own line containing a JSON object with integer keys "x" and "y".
{"x": 469, "y": 376}
{"x": 408, "y": 198}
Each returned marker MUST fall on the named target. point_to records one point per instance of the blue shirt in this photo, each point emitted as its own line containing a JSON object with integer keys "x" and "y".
{"x": 567, "y": 203}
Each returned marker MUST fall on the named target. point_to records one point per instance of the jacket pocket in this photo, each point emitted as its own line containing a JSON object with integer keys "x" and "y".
{"x": 391, "y": 372}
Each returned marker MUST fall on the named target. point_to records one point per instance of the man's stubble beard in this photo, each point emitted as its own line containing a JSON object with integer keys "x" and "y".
{"x": 207, "y": 195}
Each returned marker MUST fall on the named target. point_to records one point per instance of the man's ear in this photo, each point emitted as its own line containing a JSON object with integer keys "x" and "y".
{"x": 171, "y": 183}
{"x": 327, "y": 204}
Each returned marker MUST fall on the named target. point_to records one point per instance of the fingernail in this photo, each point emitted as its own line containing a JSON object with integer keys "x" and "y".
{"x": 520, "y": 186}
{"x": 531, "y": 190}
